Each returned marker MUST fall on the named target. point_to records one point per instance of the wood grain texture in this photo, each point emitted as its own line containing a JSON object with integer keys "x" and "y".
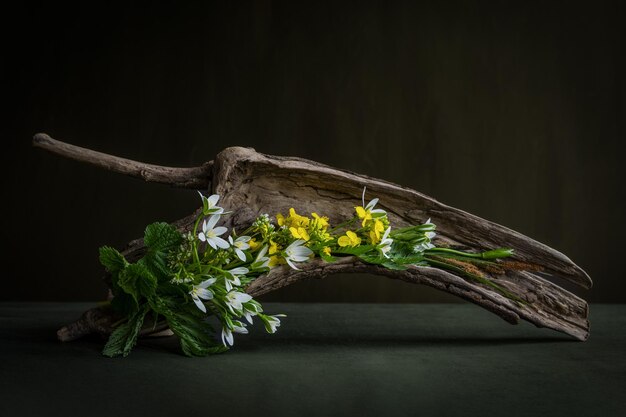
{"x": 251, "y": 183}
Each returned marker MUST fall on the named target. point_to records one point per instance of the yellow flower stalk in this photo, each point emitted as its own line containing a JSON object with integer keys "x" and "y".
{"x": 349, "y": 239}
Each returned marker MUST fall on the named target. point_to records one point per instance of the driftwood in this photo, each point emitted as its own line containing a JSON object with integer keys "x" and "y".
{"x": 251, "y": 183}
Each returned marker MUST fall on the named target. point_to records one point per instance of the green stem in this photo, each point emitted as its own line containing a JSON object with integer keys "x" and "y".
{"x": 455, "y": 252}
{"x": 194, "y": 245}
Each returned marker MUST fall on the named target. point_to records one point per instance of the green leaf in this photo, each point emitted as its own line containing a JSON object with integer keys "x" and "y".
{"x": 194, "y": 334}
{"x": 112, "y": 260}
{"x": 124, "y": 338}
{"x": 357, "y": 250}
{"x": 137, "y": 281}
{"x": 327, "y": 258}
{"x": 392, "y": 265}
{"x": 375, "y": 259}
{"x": 162, "y": 237}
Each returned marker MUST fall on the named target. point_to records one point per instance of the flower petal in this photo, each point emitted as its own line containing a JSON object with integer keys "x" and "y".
{"x": 239, "y": 271}
{"x": 291, "y": 264}
{"x": 199, "y": 304}
{"x": 220, "y": 242}
{"x": 371, "y": 204}
{"x": 213, "y": 200}
{"x": 243, "y": 297}
{"x": 213, "y": 220}
{"x": 219, "y": 231}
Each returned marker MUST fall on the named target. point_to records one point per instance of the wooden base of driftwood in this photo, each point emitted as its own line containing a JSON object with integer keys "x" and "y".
{"x": 251, "y": 183}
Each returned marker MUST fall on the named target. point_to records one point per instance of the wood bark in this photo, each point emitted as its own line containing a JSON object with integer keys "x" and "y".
{"x": 252, "y": 183}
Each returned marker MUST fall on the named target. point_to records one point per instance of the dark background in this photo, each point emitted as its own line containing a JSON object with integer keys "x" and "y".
{"x": 513, "y": 111}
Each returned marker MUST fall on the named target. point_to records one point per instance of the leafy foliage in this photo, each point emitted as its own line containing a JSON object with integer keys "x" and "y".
{"x": 124, "y": 338}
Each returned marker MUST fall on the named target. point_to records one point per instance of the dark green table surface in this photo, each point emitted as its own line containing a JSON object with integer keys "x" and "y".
{"x": 326, "y": 360}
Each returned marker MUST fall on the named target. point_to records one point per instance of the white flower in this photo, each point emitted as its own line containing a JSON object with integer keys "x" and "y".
{"x": 250, "y": 310}
{"x": 227, "y": 334}
{"x": 426, "y": 245}
{"x": 232, "y": 277}
{"x": 200, "y": 292}
{"x": 210, "y": 233}
{"x": 240, "y": 244}
{"x": 261, "y": 260}
{"x": 272, "y": 323}
{"x": 385, "y": 243}
{"x": 370, "y": 206}
{"x": 297, "y": 253}
{"x": 234, "y": 300}
{"x": 209, "y": 205}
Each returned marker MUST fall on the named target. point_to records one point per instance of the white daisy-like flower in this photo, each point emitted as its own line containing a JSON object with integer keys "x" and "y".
{"x": 210, "y": 234}
{"x": 296, "y": 252}
{"x": 231, "y": 277}
{"x": 200, "y": 291}
{"x": 227, "y": 334}
{"x": 240, "y": 244}
{"x": 385, "y": 243}
{"x": 209, "y": 204}
{"x": 234, "y": 300}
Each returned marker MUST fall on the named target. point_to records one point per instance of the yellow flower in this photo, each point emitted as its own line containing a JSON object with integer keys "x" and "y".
{"x": 363, "y": 214}
{"x": 273, "y": 247}
{"x": 300, "y": 233}
{"x": 293, "y": 220}
{"x": 326, "y": 250}
{"x": 297, "y": 220}
{"x": 320, "y": 221}
{"x": 377, "y": 229}
{"x": 349, "y": 239}
{"x": 275, "y": 261}
{"x": 254, "y": 245}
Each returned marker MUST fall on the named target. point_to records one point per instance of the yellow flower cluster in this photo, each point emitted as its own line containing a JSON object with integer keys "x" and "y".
{"x": 310, "y": 229}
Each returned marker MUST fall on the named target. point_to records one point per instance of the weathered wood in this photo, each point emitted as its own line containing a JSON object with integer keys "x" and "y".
{"x": 252, "y": 183}
{"x": 194, "y": 178}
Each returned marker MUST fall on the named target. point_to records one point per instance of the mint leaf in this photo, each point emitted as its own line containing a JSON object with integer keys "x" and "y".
{"x": 124, "y": 338}
{"x": 162, "y": 237}
{"x": 137, "y": 281}
{"x": 194, "y": 333}
{"x": 112, "y": 260}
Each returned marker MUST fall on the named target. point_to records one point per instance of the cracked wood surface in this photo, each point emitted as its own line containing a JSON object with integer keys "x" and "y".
{"x": 251, "y": 183}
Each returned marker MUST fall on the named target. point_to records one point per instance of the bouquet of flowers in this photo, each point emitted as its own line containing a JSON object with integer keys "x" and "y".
{"x": 186, "y": 278}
